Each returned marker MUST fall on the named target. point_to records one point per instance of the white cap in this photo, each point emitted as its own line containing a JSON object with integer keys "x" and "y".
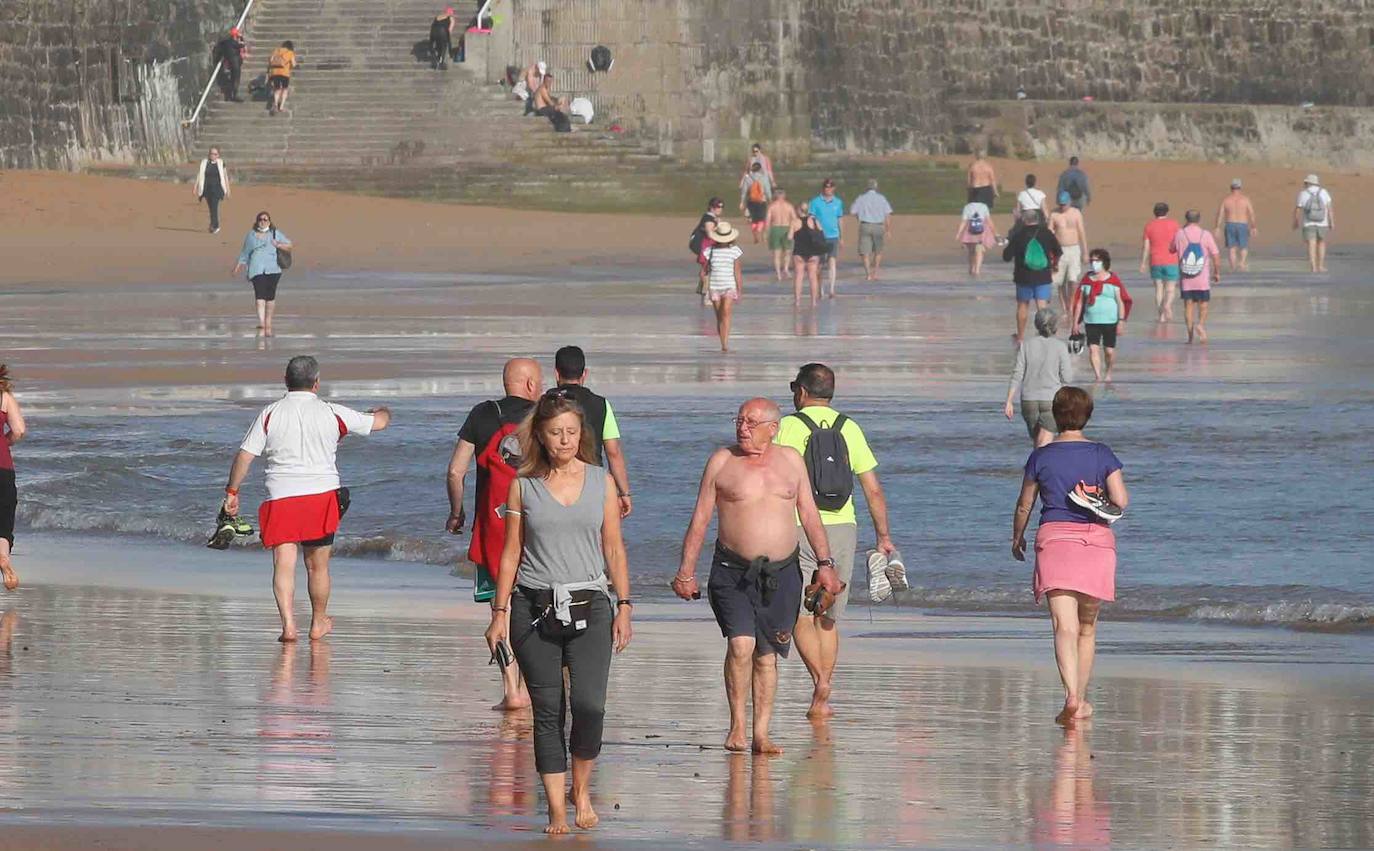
{"x": 1312, "y": 180}
{"x": 543, "y": 69}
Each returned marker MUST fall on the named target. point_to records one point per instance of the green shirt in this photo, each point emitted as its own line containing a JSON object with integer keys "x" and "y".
{"x": 610, "y": 430}
{"x": 794, "y": 433}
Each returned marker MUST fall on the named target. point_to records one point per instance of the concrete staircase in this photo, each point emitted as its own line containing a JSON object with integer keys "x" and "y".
{"x": 368, "y": 113}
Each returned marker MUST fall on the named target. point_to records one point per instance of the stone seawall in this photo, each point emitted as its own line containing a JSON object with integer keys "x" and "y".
{"x": 89, "y": 81}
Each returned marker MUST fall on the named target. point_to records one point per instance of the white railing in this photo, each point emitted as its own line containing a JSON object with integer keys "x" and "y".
{"x": 214, "y": 74}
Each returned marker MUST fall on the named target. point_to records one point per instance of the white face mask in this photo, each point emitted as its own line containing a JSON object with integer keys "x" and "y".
{"x": 261, "y": 228}
{"x": 1097, "y": 267}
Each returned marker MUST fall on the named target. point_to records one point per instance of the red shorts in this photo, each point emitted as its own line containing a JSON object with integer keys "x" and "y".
{"x": 311, "y": 519}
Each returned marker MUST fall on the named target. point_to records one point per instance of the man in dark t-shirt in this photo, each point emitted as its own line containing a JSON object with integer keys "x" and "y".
{"x": 229, "y": 50}
{"x": 570, "y": 362}
{"x": 523, "y": 383}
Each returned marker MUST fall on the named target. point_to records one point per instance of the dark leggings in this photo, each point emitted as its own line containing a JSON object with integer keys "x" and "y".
{"x": 588, "y": 659}
{"x": 212, "y": 201}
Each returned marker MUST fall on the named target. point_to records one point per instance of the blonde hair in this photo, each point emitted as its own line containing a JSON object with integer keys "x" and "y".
{"x": 534, "y": 457}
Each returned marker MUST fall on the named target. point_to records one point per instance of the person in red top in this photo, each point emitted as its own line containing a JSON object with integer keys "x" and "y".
{"x": 11, "y": 431}
{"x": 1160, "y": 261}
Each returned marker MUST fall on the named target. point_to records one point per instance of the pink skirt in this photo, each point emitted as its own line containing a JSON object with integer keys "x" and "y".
{"x": 1075, "y": 557}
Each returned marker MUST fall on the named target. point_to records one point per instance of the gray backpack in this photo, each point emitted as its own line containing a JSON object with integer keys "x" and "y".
{"x": 1315, "y": 208}
{"x": 827, "y": 463}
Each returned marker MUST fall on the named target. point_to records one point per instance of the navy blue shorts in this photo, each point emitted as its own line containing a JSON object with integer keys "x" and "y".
{"x": 744, "y": 608}
{"x": 1197, "y": 295}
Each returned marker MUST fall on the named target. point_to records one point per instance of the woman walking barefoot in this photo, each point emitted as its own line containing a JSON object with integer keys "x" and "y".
{"x": 12, "y": 431}
{"x": 259, "y": 257}
{"x": 563, "y": 540}
{"x": 725, "y": 280}
{"x": 1075, "y": 550}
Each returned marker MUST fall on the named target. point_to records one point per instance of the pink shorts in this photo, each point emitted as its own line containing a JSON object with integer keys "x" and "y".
{"x": 1075, "y": 557}
{"x": 718, "y": 296}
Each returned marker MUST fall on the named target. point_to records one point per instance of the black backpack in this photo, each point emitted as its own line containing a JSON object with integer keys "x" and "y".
{"x": 827, "y": 463}
{"x": 600, "y": 59}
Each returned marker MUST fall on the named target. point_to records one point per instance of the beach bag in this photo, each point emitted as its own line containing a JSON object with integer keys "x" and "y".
{"x": 696, "y": 241}
{"x": 283, "y": 254}
{"x": 1035, "y": 259}
{"x": 755, "y": 190}
{"x": 976, "y": 225}
{"x": 1193, "y": 260}
{"x": 827, "y": 463}
{"x": 1315, "y": 208}
{"x": 500, "y": 458}
{"x": 1074, "y": 188}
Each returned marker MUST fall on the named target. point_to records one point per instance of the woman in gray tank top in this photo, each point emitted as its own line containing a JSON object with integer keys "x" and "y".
{"x": 553, "y": 605}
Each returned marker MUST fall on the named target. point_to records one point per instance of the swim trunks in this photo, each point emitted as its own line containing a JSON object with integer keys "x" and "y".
{"x": 1070, "y": 268}
{"x": 777, "y": 238}
{"x": 1033, "y": 292}
{"x": 1100, "y": 335}
{"x": 277, "y": 81}
{"x": 311, "y": 520}
{"x": 758, "y": 212}
{"x": 982, "y": 194}
{"x": 871, "y": 239}
{"x": 1164, "y": 273}
{"x": 1237, "y": 235}
{"x": 755, "y": 597}
{"x": 832, "y": 248}
{"x": 1197, "y": 295}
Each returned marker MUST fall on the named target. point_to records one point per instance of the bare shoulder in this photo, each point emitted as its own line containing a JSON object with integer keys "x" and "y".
{"x": 788, "y": 457}
{"x": 719, "y": 459}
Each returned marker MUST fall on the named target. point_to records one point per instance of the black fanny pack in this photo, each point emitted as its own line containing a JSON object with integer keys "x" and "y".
{"x": 546, "y": 619}
{"x": 345, "y": 500}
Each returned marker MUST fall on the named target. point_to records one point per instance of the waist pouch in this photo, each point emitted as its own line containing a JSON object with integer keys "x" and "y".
{"x": 546, "y": 620}
{"x": 345, "y": 500}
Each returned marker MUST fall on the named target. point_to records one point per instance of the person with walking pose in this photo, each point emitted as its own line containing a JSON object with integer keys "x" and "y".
{"x": 212, "y": 185}
{"x": 12, "y": 430}
{"x": 261, "y": 256}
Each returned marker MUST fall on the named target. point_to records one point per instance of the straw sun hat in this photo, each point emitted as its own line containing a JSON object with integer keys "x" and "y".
{"x": 724, "y": 234}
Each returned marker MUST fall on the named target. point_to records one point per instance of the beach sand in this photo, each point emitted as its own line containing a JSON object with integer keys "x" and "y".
{"x": 181, "y": 711}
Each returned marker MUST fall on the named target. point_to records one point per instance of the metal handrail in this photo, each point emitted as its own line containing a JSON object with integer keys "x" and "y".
{"x": 214, "y": 75}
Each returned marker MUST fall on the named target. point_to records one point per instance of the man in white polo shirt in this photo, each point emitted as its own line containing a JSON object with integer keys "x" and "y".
{"x": 300, "y": 433}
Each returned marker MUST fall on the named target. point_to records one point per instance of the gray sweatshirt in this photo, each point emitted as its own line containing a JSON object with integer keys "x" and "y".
{"x": 1043, "y": 365}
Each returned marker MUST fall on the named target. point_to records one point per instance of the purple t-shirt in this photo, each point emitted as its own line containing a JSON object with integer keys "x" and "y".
{"x": 1058, "y": 468}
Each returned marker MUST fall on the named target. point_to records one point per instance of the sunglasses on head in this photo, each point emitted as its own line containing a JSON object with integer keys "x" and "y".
{"x": 558, "y": 393}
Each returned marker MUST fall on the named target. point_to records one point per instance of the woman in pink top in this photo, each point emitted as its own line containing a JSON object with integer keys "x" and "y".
{"x": 1157, "y": 257}
{"x": 1199, "y": 264}
{"x": 11, "y": 431}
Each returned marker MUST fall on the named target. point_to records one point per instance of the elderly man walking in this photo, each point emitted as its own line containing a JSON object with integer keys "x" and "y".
{"x": 300, "y": 434}
{"x": 875, "y": 225}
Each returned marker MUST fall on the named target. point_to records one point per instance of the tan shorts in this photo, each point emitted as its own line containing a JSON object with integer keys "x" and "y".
{"x": 871, "y": 239}
{"x": 844, "y": 540}
{"x": 1070, "y": 266}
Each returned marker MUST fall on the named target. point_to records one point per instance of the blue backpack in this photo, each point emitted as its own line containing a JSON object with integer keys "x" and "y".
{"x": 1193, "y": 260}
{"x": 976, "y": 224}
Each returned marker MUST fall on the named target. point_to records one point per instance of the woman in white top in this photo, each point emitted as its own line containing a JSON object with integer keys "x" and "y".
{"x": 977, "y": 234}
{"x": 1030, "y": 198}
{"x": 212, "y": 185}
{"x": 726, "y": 283}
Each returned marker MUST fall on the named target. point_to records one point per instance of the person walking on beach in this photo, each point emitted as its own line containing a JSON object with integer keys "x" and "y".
{"x": 1074, "y": 181}
{"x": 260, "y": 256}
{"x": 441, "y": 37}
{"x": 828, "y": 209}
{"x": 1101, "y": 306}
{"x": 1034, "y": 252}
{"x": 982, "y": 181}
{"x": 835, "y": 450}
{"x": 1075, "y": 550}
{"x": 754, "y": 191}
{"x": 488, "y": 435}
{"x": 212, "y": 185}
{"x": 570, "y": 366}
{"x": 1236, "y": 221}
{"x": 12, "y": 430}
{"x": 1317, "y": 217}
{"x": 759, "y": 158}
{"x": 875, "y": 225}
{"x": 701, "y": 241}
{"x": 562, "y": 543}
{"x": 1043, "y": 365}
{"x": 228, "y": 58}
{"x": 1031, "y": 198}
{"x": 279, "y": 67}
{"x": 1159, "y": 258}
{"x": 977, "y": 234}
{"x": 809, "y": 246}
{"x": 726, "y": 280}
{"x": 300, "y": 434}
{"x": 1199, "y": 266}
{"x": 758, "y": 490}
{"x": 1066, "y": 223}
{"x": 782, "y": 217}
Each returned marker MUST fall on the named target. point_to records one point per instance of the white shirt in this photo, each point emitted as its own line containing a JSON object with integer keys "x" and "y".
{"x": 976, "y": 208}
{"x": 1303, "y": 198}
{"x": 300, "y": 433}
{"x": 723, "y": 266}
{"x": 1030, "y": 198}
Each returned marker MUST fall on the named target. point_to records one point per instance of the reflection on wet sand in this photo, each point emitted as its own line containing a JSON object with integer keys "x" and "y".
{"x": 297, "y": 758}
{"x": 1071, "y": 813}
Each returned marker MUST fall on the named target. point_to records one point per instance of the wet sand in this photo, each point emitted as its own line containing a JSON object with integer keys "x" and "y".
{"x": 181, "y": 709}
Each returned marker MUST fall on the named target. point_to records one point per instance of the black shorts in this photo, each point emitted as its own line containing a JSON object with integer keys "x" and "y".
{"x": 9, "y": 499}
{"x": 758, "y": 210}
{"x": 265, "y": 287}
{"x": 277, "y": 81}
{"x": 747, "y": 607}
{"x": 326, "y": 541}
{"x": 1101, "y": 335}
{"x": 981, "y": 193}
{"x": 1196, "y": 295}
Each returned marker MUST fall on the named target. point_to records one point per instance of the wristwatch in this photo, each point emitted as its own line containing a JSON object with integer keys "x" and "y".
{"x": 625, "y": 602}
{"x": 825, "y": 562}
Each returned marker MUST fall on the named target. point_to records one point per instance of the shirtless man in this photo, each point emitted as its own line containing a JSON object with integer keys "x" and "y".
{"x": 1066, "y": 223}
{"x": 982, "y": 180}
{"x": 1236, "y": 221}
{"x": 781, "y": 217}
{"x": 755, "y": 586}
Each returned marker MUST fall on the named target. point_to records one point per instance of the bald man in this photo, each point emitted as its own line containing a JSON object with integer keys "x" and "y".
{"x": 488, "y": 435}
{"x": 759, "y": 490}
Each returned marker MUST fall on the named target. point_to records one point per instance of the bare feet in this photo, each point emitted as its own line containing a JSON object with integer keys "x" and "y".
{"x": 1084, "y": 711}
{"x": 1070, "y": 710}
{"x": 11, "y": 578}
{"x": 765, "y": 746}
{"x": 512, "y": 704}
{"x": 320, "y": 628}
{"x": 585, "y": 817}
{"x": 736, "y": 742}
{"x": 288, "y": 635}
{"x": 557, "y": 826}
{"x": 1201, "y": 334}
{"x": 820, "y": 702}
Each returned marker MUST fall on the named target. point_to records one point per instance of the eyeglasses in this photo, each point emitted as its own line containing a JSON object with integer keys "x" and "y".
{"x": 748, "y": 424}
{"x": 263, "y": 219}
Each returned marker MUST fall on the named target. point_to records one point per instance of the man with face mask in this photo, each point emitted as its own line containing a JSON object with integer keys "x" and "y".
{"x": 755, "y": 585}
